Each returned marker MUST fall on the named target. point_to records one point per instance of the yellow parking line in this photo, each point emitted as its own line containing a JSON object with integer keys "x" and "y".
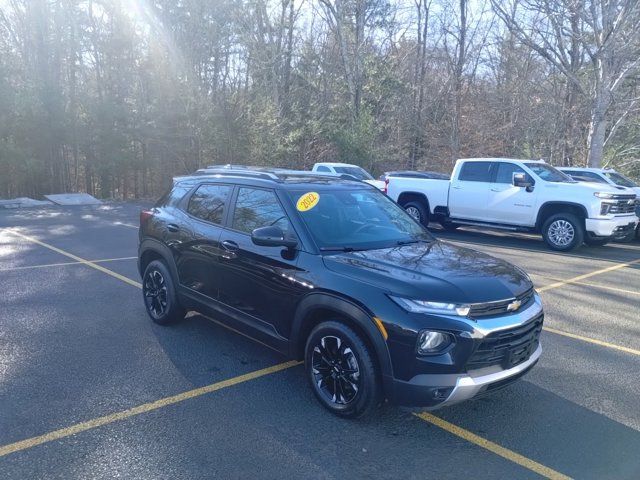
{"x": 587, "y": 284}
{"x": 78, "y": 259}
{"x": 27, "y": 267}
{"x": 493, "y": 447}
{"x": 144, "y": 408}
{"x": 593, "y": 340}
{"x": 618, "y": 266}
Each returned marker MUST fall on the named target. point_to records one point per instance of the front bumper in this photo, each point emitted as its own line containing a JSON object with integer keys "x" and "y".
{"x": 607, "y": 227}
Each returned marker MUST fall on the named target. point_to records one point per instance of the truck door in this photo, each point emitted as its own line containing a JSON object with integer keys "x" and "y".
{"x": 469, "y": 191}
{"x": 509, "y": 204}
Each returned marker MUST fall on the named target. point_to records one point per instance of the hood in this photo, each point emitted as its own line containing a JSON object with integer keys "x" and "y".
{"x": 435, "y": 271}
{"x": 590, "y": 187}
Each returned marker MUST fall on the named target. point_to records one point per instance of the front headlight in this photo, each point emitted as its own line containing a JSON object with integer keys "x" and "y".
{"x": 603, "y": 195}
{"x": 423, "y": 306}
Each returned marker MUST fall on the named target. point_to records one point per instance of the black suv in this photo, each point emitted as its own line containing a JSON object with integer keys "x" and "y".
{"x": 333, "y": 272}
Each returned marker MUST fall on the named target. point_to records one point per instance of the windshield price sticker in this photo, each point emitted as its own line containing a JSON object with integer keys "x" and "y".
{"x": 307, "y": 201}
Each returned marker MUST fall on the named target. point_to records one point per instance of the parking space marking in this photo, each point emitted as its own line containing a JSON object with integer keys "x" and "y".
{"x": 562, "y": 283}
{"x": 144, "y": 408}
{"x": 493, "y": 447}
{"x": 78, "y": 259}
{"x": 595, "y": 285}
{"x": 122, "y": 224}
{"x": 592, "y": 340}
{"x": 27, "y": 267}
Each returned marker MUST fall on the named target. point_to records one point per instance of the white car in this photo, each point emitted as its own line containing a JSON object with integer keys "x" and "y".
{"x": 604, "y": 175}
{"x": 355, "y": 171}
{"x": 520, "y": 195}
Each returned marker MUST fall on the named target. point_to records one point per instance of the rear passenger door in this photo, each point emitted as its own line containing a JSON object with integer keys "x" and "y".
{"x": 469, "y": 192}
{"x": 256, "y": 282}
{"x": 199, "y": 262}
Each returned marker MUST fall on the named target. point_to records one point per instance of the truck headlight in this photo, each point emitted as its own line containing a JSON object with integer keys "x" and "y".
{"x": 423, "y": 306}
{"x": 430, "y": 341}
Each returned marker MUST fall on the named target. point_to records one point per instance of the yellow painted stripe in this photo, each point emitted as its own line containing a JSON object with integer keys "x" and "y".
{"x": 78, "y": 259}
{"x": 612, "y": 268}
{"x": 27, "y": 267}
{"x": 587, "y": 284}
{"x": 493, "y": 447}
{"x": 593, "y": 340}
{"x": 144, "y": 408}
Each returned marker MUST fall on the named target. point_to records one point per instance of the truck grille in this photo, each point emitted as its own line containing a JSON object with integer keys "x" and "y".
{"x": 501, "y": 307}
{"x": 507, "y": 348}
{"x": 621, "y": 207}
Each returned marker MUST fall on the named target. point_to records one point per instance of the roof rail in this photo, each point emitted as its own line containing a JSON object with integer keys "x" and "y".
{"x": 237, "y": 172}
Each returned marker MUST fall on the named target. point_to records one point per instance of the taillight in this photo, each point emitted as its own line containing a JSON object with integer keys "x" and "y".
{"x": 386, "y": 186}
{"x": 144, "y": 216}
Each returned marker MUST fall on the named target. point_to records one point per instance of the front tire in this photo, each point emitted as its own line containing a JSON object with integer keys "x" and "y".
{"x": 563, "y": 232}
{"x": 341, "y": 370}
{"x": 418, "y": 211}
{"x": 159, "y": 294}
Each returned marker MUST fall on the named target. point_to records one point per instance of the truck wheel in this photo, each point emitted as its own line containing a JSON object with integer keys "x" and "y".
{"x": 418, "y": 211}
{"x": 341, "y": 370}
{"x": 159, "y": 293}
{"x": 563, "y": 232}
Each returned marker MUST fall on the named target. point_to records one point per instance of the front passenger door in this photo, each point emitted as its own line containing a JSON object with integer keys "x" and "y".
{"x": 257, "y": 282}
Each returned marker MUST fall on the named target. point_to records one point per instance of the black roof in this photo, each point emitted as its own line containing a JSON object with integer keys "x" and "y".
{"x": 284, "y": 178}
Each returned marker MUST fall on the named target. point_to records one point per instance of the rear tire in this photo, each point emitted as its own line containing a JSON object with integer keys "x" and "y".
{"x": 418, "y": 211}
{"x": 341, "y": 370}
{"x": 159, "y": 294}
{"x": 563, "y": 232}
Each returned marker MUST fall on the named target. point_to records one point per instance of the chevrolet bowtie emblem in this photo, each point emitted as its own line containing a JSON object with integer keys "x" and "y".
{"x": 513, "y": 306}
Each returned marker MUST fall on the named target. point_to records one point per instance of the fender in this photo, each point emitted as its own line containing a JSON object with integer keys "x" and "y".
{"x": 345, "y": 308}
{"x": 151, "y": 244}
{"x": 420, "y": 195}
{"x": 579, "y": 206}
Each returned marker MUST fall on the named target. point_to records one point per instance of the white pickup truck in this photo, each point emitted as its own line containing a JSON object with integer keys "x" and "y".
{"x": 338, "y": 169}
{"x": 519, "y": 195}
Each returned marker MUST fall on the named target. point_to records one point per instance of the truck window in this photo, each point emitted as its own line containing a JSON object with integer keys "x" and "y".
{"x": 322, "y": 168}
{"x": 475, "y": 172}
{"x": 506, "y": 171}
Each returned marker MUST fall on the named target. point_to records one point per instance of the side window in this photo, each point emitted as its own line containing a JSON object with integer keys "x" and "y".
{"x": 208, "y": 202}
{"x": 593, "y": 177}
{"x": 322, "y": 168}
{"x": 257, "y": 208}
{"x": 505, "y": 172}
{"x": 475, "y": 172}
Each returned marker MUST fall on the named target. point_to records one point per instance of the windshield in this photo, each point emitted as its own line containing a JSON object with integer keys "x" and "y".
{"x": 548, "y": 173}
{"x": 357, "y": 172}
{"x": 620, "y": 180}
{"x": 358, "y": 220}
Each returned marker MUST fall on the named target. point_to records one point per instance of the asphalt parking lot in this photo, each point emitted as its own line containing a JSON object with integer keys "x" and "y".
{"x": 91, "y": 388}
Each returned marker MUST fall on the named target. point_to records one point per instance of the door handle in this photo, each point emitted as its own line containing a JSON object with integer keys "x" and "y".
{"x": 457, "y": 187}
{"x": 172, "y": 227}
{"x": 229, "y": 245}
{"x": 496, "y": 190}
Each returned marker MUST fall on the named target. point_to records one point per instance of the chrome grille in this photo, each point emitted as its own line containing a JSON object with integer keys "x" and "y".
{"x": 501, "y": 307}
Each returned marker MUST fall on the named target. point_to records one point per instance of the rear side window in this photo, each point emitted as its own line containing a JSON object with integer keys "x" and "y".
{"x": 475, "y": 172}
{"x": 208, "y": 202}
{"x": 322, "y": 169}
{"x": 505, "y": 172}
{"x": 257, "y": 208}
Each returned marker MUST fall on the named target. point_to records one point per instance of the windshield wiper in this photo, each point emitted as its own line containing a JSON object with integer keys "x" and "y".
{"x": 414, "y": 240}
{"x": 340, "y": 249}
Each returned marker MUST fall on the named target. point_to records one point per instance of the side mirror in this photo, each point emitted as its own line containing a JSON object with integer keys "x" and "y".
{"x": 272, "y": 237}
{"x": 522, "y": 180}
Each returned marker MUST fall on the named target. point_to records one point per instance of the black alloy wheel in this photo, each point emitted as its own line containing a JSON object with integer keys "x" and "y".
{"x": 159, "y": 294}
{"x": 341, "y": 370}
{"x": 336, "y": 370}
